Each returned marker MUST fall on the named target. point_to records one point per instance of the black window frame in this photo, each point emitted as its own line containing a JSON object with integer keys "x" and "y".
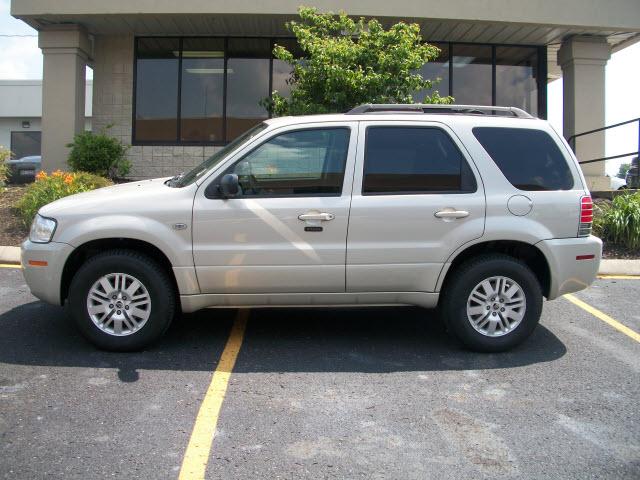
{"x": 212, "y": 190}
{"x": 420, "y": 192}
{"x": 540, "y": 81}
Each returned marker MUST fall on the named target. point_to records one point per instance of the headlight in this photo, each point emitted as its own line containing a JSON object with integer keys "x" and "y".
{"x": 42, "y": 229}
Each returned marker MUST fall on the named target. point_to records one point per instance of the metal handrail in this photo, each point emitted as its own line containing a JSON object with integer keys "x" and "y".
{"x": 572, "y": 141}
{"x": 437, "y": 108}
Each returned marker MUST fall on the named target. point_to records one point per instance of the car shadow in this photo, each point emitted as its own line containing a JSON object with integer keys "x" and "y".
{"x": 383, "y": 339}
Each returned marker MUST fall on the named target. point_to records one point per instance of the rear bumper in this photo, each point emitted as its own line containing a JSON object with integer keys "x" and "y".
{"x": 568, "y": 273}
{"x": 44, "y": 280}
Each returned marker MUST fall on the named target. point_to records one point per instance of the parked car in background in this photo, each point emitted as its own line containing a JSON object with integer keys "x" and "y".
{"x": 480, "y": 211}
{"x": 22, "y": 170}
{"x": 633, "y": 175}
{"x": 617, "y": 183}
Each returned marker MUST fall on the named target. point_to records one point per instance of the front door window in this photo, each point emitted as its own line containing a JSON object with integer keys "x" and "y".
{"x": 299, "y": 163}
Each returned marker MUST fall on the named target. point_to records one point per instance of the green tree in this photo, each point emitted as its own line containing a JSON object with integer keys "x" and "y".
{"x": 349, "y": 62}
{"x": 624, "y": 168}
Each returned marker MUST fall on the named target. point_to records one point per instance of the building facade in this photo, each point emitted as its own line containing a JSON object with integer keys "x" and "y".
{"x": 179, "y": 79}
{"x": 21, "y": 115}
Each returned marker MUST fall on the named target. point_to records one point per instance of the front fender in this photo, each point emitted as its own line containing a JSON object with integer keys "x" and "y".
{"x": 175, "y": 244}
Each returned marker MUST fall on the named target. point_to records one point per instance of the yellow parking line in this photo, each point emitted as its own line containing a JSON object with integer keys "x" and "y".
{"x": 620, "y": 277}
{"x": 196, "y": 457}
{"x": 10, "y": 265}
{"x": 604, "y": 317}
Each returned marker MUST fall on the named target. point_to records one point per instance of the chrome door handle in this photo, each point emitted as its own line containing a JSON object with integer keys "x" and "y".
{"x": 451, "y": 213}
{"x": 316, "y": 216}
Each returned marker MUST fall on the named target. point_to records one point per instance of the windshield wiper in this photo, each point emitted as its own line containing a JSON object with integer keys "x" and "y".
{"x": 172, "y": 182}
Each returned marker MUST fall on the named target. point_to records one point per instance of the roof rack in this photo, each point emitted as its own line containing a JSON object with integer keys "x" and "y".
{"x": 438, "y": 109}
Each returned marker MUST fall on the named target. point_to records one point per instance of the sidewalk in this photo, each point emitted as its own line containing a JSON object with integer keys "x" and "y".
{"x": 11, "y": 255}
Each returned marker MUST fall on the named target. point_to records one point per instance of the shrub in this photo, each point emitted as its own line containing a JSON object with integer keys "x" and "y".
{"x": 4, "y": 168}
{"x": 98, "y": 153}
{"x": 619, "y": 222}
{"x": 48, "y": 188}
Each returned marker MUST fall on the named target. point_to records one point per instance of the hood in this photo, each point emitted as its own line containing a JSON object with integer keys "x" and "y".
{"x": 123, "y": 198}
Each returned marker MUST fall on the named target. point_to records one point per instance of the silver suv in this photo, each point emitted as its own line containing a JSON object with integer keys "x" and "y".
{"x": 479, "y": 211}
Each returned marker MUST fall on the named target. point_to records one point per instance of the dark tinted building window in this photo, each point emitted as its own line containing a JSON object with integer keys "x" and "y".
{"x": 434, "y": 70}
{"x": 413, "y": 160}
{"x": 472, "y": 74}
{"x": 208, "y": 90}
{"x": 247, "y": 83}
{"x": 299, "y": 163}
{"x": 202, "y": 99}
{"x": 530, "y": 159}
{"x": 24, "y": 144}
{"x": 157, "y": 89}
{"x": 281, "y": 71}
{"x": 516, "y": 78}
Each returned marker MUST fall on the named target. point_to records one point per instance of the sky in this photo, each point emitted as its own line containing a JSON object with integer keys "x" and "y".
{"x": 21, "y": 59}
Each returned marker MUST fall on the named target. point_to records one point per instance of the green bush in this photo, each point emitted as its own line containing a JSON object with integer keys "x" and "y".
{"x": 98, "y": 153}
{"x": 4, "y": 168}
{"x": 619, "y": 222}
{"x": 48, "y": 188}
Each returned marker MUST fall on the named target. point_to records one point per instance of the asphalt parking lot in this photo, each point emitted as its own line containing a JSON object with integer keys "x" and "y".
{"x": 327, "y": 393}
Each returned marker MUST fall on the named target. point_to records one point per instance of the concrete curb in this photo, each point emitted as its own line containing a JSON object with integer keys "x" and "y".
{"x": 11, "y": 255}
{"x": 619, "y": 267}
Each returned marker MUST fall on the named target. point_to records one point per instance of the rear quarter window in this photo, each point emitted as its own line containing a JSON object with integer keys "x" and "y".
{"x": 530, "y": 159}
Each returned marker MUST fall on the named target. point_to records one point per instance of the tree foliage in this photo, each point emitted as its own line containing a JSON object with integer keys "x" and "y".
{"x": 622, "y": 171}
{"x": 349, "y": 62}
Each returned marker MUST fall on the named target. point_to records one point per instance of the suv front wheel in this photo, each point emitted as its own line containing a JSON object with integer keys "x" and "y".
{"x": 121, "y": 300}
{"x": 492, "y": 303}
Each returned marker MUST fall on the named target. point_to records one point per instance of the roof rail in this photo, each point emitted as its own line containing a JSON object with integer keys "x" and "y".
{"x": 438, "y": 108}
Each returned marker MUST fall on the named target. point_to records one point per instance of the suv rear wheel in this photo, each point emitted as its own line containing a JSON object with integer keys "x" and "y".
{"x": 492, "y": 303}
{"x": 121, "y": 300}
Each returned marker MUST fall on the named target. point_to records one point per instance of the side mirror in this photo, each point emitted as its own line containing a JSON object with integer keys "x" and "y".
{"x": 229, "y": 186}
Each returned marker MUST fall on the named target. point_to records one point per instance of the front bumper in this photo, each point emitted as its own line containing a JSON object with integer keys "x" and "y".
{"x": 568, "y": 273}
{"x": 44, "y": 280}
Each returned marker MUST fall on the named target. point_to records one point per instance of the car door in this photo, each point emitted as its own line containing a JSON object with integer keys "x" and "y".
{"x": 286, "y": 231}
{"x": 417, "y": 197}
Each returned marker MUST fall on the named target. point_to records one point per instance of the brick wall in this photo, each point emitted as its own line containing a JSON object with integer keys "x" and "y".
{"x": 112, "y": 105}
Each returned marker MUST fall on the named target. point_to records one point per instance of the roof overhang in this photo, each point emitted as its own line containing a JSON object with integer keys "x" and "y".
{"x": 517, "y": 22}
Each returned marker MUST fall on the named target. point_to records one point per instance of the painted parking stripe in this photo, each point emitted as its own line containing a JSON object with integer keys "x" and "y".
{"x": 619, "y": 277}
{"x": 196, "y": 457}
{"x": 10, "y": 265}
{"x": 604, "y": 317}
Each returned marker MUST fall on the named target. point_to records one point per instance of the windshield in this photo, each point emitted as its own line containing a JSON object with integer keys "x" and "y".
{"x": 193, "y": 175}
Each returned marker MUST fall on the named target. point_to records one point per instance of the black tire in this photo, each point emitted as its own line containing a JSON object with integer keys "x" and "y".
{"x": 463, "y": 281}
{"x": 154, "y": 278}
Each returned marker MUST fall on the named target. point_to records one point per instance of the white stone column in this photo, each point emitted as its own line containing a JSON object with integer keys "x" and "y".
{"x": 66, "y": 50}
{"x": 583, "y": 60}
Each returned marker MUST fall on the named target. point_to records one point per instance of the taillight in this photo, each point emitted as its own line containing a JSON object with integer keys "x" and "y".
{"x": 586, "y": 216}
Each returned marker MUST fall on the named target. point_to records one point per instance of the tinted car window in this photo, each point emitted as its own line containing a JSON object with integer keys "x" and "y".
{"x": 303, "y": 162}
{"x": 406, "y": 160}
{"x": 530, "y": 159}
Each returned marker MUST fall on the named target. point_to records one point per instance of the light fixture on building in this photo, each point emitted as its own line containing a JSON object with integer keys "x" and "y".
{"x": 26, "y": 124}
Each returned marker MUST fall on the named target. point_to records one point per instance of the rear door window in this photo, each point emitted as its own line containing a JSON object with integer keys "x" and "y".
{"x": 413, "y": 160}
{"x": 530, "y": 159}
